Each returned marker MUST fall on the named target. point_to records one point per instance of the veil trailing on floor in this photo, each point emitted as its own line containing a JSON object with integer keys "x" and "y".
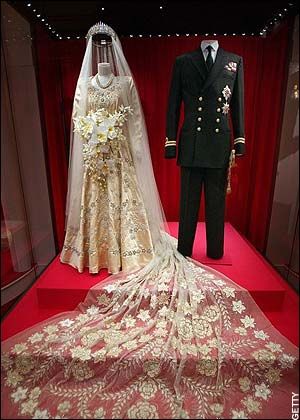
{"x": 174, "y": 339}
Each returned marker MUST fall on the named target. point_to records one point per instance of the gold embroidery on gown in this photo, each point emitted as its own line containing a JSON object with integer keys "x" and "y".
{"x": 113, "y": 231}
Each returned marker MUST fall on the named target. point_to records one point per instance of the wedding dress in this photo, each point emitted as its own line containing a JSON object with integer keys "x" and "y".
{"x": 172, "y": 339}
{"x": 113, "y": 230}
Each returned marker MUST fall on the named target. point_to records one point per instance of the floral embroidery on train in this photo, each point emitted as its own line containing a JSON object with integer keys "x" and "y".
{"x": 137, "y": 330}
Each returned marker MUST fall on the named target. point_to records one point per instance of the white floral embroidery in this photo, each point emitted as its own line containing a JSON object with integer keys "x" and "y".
{"x": 287, "y": 361}
{"x": 144, "y": 315}
{"x": 241, "y": 331}
{"x": 262, "y": 391}
{"x": 92, "y": 310}
{"x": 219, "y": 282}
{"x": 274, "y": 347}
{"x": 217, "y": 409}
{"x": 41, "y": 414}
{"x": 81, "y": 353}
{"x": 239, "y": 414}
{"x": 19, "y": 394}
{"x": 142, "y": 410}
{"x": 237, "y": 306}
{"x": 248, "y": 321}
{"x": 64, "y": 406}
{"x": 99, "y": 413}
{"x": 66, "y": 323}
{"x": 19, "y": 348}
{"x": 163, "y": 287}
{"x": 229, "y": 292}
{"x": 261, "y": 335}
{"x": 110, "y": 287}
{"x": 129, "y": 321}
{"x": 35, "y": 338}
{"x": 198, "y": 296}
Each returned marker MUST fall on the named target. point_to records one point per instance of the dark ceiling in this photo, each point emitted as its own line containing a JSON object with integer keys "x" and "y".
{"x": 74, "y": 18}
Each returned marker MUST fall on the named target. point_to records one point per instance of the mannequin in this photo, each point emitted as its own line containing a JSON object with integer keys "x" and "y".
{"x": 104, "y": 77}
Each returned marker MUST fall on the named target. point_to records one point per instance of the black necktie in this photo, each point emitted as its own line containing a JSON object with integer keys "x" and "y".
{"x": 209, "y": 59}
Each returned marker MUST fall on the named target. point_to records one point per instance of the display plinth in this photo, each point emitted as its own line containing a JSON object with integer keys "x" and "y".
{"x": 63, "y": 287}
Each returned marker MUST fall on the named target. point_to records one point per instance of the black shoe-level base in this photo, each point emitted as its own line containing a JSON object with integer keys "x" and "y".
{"x": 214, "y": 181}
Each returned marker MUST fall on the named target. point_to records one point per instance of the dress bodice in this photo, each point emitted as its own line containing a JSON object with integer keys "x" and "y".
{"x": 108, "y": 98}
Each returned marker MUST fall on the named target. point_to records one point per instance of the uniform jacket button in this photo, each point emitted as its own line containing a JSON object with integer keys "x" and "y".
{"x": 219, "y": 99}
{"x": 218, "y": 119}
{"x": 218, "y": 109}
{"x": 200, "y": 98}
{"x": 200, "y": 108}
{"x": 199, "y": 128}
{"x": 217, "y": 130}
{"x": 199, "y": 118}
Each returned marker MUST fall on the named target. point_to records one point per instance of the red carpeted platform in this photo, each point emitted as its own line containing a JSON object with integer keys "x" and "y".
{"x": 61, "y": 287}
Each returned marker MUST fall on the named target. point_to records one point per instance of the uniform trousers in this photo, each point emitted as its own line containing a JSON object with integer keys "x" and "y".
{"x": 214, "y": 181}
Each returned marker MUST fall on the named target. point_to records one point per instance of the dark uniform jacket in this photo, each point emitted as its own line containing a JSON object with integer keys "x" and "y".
{"x": 205, "y": 137}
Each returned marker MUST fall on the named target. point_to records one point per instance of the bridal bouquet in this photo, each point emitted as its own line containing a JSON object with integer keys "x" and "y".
{"x": 101, "y": 133}
{"x": 101, "y": 127}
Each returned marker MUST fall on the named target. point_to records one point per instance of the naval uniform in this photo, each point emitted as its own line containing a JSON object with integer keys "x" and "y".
{"x": 210, "y": 93}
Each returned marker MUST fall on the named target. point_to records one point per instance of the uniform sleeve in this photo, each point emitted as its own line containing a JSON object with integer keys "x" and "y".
{"x": 237, "y": 111}
{"x": 173, "y": 112}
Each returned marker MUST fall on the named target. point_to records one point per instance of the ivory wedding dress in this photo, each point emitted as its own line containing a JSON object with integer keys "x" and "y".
{"x": 172, "y": 339}
{"x": 113, "y": 230}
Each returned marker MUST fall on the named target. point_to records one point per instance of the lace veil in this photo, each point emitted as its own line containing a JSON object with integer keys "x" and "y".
{"x": 103, "y": 45}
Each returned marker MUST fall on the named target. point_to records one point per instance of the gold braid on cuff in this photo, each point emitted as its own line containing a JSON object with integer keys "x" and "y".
{"x": 170, "y": 142}
{"x": 239, "y": 140}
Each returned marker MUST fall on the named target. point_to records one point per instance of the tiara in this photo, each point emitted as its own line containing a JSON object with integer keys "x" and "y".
{"x": 101, "y": 28}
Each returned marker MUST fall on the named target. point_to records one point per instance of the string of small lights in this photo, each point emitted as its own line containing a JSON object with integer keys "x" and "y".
{"x": 270, "y": 25}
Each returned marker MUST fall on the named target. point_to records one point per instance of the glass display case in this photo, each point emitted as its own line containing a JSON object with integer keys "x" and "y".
{"x": 27, "y": 235}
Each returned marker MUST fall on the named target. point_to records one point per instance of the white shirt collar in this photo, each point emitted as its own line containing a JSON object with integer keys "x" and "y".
{"x": 213, "y": 43}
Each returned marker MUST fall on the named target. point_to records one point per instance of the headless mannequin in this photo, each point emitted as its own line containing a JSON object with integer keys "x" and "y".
{"x": 104, "y": 76}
